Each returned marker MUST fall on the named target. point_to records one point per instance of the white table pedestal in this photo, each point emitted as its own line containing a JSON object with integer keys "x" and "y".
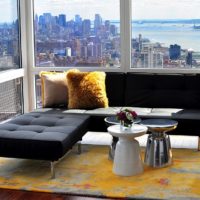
{"x": 127, "y": 160}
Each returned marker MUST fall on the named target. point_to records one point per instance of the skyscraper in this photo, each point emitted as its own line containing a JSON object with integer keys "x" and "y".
{"x": 62, "y": 20}
{"x": 41, "y": 20}
{"x": 189, "y": 57}
{"x": 150, "y": 57}
{"x": 97, "y": 22}
{"x": 107, "y": 25}
{"x": 78, "y": 19}
{"x": 113, "y": 29}
{"x": 47, "y": 18}
{"x": 174, "y": 52}
{"x": 86, "y": 26}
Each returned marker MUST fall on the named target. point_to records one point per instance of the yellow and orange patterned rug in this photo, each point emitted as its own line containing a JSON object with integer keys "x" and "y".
{"x": 91, "y": 174}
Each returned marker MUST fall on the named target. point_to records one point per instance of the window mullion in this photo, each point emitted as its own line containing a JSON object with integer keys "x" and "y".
{"x": 125, "y": 10}
{"x": 26, "y": 14}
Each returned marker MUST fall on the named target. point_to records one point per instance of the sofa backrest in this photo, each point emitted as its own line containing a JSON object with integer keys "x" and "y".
{"x": 162, "y": 91}
{"x": 115, "y": 88}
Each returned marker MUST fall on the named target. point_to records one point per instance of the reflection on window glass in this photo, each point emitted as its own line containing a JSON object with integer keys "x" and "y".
{"x": 165, "y": 34}
{"x": 77, "y": 33}
{"x": 9, "y": 35}
{"x": 11, "y": 102}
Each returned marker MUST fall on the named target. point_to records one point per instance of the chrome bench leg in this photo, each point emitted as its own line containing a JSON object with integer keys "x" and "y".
{"x": 52, "y": 170}
{"x": 53, "y": 163}
{"x": 79, "y": 148}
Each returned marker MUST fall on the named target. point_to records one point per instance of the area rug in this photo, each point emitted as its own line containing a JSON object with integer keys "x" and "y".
{"x": 90, "y": 174}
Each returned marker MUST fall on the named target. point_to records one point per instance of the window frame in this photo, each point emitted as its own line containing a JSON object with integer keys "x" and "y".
{"x": 28, "y": 58}
{"x": 13, "y": 74}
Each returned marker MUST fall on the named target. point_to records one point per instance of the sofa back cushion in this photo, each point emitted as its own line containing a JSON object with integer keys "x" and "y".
{"x": 54, "y": 89}
{"x": 162, "y": 91}
{"x": 115, "y": 88}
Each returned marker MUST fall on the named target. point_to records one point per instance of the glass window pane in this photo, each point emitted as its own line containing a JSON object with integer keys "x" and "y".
{"x": 9, "y": 35}
{"x": 165, "y": 34}
{"x": 82, "y": 33}
{"x": 38, "y": 92}
{"x": 11, "y": 103}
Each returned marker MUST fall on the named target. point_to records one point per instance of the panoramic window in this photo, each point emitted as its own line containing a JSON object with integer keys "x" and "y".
{"x": 11, "y": 102}
{"x": 165, "y": 34}
{"x": 9, "y": 35}
{"x": 81, "y": 33}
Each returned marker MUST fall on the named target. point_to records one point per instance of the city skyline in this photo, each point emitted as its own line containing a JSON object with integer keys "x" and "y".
{"x": 95, "y": 41}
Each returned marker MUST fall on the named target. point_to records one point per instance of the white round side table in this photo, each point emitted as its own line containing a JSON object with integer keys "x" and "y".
{"x": 127, "y": 160}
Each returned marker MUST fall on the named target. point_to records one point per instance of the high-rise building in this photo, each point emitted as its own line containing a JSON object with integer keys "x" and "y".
{"x": 97, "y": 50}
{"x": 140, "y": 43}
{"x": 84, "y": 51}
{"x": 97, "y": 22}
{"x": 68, "y": 51}
{"x": 62, "y": 20}
{"x": 41, "y": 20}
{"x": 113, "y": 29}
{"x": 53, "y": 20}
{"x": 86, "y": 26}
{"x": 174, "y": 52}
{"x": 78, "y": 19}
{"x": 47, "y": 18}
{"x": 150, "y": 58}
{"x": 36, "y": 23}
{"x": 107, "y": 25}
{"x": 76, "y": 44}
{"x": 189, "y": 57}
{"x": 90, "y": 49}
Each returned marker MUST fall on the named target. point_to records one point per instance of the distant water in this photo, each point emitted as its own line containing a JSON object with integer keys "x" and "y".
{"x": 169, "y": 33}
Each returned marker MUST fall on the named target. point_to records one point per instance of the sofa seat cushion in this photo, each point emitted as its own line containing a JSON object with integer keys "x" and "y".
{"x": 189, "y": 114}
{"x": 41, "y": 136}
{"x": 175, "y": 113}
{"x": 110, "y": 111}
{"x": 59, "y": 111}
{"x": 164, "y": 112}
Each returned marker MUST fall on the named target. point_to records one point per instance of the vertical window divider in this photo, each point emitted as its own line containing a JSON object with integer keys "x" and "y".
{"x": 26, "y": 11}
{"x": 125, "y": 18}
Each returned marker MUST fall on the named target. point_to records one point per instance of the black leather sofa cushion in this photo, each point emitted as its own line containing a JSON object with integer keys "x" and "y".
{"x": 162, "y": 91}
{"x": 115, "y": 85}
{"x": 41, "y": 136}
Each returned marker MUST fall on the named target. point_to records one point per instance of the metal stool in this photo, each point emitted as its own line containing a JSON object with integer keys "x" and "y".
{"x": 158, "y": 150}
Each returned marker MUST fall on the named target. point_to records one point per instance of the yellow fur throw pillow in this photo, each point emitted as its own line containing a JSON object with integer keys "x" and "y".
{"x": 54, "y": 89}
{"x": 86, "y": 90}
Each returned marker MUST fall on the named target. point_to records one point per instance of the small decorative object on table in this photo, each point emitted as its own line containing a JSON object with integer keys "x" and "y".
{"x": 126, "y": 117}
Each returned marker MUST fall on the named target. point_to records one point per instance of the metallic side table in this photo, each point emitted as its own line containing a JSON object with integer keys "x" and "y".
{"x": 112, "y": 120}
{"x": 158, "y": 149}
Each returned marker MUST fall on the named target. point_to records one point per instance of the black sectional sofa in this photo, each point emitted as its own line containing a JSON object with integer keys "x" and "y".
{"x": 49, "y": 133}
{"x": 153, "y": 96}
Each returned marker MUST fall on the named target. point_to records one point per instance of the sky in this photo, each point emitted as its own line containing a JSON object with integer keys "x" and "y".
{"x": 109, "y": 9}
{"x": 8, "y": 10}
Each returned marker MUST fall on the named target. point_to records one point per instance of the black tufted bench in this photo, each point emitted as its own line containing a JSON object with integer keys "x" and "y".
{"x": 41, "y": 136}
